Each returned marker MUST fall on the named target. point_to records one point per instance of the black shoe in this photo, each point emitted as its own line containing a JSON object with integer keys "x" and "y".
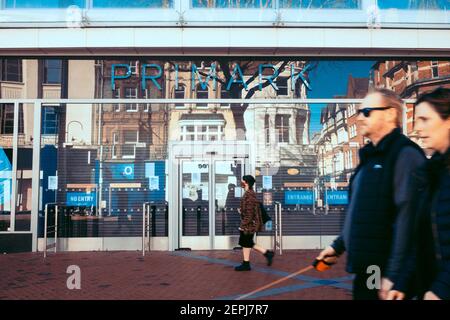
{"x": 245, "y": 266}
{"x": 269, "y": 256}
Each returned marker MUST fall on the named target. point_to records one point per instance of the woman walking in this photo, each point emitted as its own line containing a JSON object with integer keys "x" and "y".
{"x": 251, "y": 222}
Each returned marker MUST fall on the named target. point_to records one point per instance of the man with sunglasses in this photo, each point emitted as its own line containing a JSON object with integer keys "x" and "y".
{"x": 378, "y": 223}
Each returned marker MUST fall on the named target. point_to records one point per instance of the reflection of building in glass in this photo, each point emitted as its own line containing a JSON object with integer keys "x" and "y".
{"x": 339, "y": 141}
{"x": 201, "y": 121}
{"x": 281, "y": 132}
{"x": 409, "y": 79}
{"x": 129, "y": 131}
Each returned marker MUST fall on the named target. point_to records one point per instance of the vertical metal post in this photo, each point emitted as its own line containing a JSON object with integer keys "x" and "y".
{"x": 275, "y": 228}
{"x": 109, "y": 201}
{"x": 36, "y": 174}
{"x": 13, "y": 199}
{"x": 148, "y": 226}
{"x": 143, "y": 229}
{"x": 56, "y": 227}
{"x": 100, "y": 182}
{"x": 278, "y": 241}
{"x": 280, "y": 214}
{"x": 145, "y": 225}
{"x": 45, "y": 230}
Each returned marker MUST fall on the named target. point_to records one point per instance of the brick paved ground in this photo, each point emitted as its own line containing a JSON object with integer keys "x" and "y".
{"x": 180, "y": 275}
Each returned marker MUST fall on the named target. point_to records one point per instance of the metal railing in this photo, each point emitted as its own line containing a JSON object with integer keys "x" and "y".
{"x": 52, "y": 227}
{"x": 145, "y": 226}
{"x": 278, "y": 230}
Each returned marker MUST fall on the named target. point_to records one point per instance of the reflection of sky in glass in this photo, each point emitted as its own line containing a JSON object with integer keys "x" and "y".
{"x": 43, "y": 3}
{"x": 133, "y": 3}
{"x": 330, "y": 79}
{"x": 96, "y": 3}
{"x": 414, "y": 4}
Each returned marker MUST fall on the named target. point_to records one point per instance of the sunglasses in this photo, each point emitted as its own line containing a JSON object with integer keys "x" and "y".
{"x": 366, "y": 111}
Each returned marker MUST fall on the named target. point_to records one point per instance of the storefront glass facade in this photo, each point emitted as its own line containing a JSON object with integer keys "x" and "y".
{"x": 197, "y": 126}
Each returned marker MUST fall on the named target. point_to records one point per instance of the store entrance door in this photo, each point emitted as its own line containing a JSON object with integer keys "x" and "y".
{"x": 210, "y": 195}
{"x": 207, "y": 196}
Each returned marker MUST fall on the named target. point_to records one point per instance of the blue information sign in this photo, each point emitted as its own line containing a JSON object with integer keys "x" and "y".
{"x": 123, "y": 171}
{"x": 337, "y": 197}
{"x": 298, "y": 197}
{"x": 81, "y": 199}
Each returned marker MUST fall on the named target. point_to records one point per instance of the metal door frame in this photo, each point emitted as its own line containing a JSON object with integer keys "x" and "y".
{"x": 244, "y": 151}
{"x": 211, "y": 161}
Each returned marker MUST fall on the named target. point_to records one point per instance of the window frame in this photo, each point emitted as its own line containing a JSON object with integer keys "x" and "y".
{"x": 284, "y": 129}
{"x": 46, "y": 73}
{"x": 134, "y": 143}
{"x": 131, "y": 107}
{"x": 44, "y": 121}
{"x": 4, "y": 70}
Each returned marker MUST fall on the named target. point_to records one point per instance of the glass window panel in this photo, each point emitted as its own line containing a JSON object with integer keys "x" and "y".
{"x": 202, "y": 94}
{"x": 130, "y": 136}
{"x": 282, "y": 84}
{"x": 242, "y": 4}
{"x": 133, "y": 3}
{"x": 131, "y": 93}
{"x": 7, "y": 119}
{"x": 320, "y": 4}
{"x": 52, "y": 71}
{"x": 11, "y": 70}
{"x": 128, "y": 150}
{"x": 414, "y": 4}
{"x": 227, "y": 177}
{"x": 49, "y": 120}
{"x": 10, "y": 4}
{"x": 24, "y": 169}
{"x": 6, "y": 154}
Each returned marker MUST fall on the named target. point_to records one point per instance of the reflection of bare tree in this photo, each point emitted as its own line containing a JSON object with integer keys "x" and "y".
{"x": 423, "y": 4}
{"x": 233, "y": 3}
{"x": 250, "y": 70}
{"x": 153, "y": 3}
{"x": 319, "y": 4}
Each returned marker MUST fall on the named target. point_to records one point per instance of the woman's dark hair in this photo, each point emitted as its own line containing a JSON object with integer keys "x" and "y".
{"x": 439, "y": 99}
{"x": 250, "y": 180}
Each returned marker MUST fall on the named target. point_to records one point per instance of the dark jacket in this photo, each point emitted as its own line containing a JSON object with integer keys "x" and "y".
{"x": 251, "y": 221}
{"x": 429, "y": 263}
{"x": 373, "y": 228}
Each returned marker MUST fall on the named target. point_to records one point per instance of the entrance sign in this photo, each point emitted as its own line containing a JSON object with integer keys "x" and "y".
{"x": 298, "y": 197}
{"x": 337, "y": 197}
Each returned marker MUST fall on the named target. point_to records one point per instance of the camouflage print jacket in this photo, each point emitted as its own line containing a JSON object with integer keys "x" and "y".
{"x": 251, "y": 221}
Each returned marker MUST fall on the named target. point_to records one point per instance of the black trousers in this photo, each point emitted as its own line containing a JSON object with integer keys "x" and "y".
{"x": 360, "y": 289}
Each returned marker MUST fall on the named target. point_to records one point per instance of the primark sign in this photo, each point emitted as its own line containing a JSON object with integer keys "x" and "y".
{"x": 150, "y": 74}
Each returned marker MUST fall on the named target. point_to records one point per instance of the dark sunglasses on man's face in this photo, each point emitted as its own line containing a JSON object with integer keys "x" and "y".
{"x": 366, "y": 111}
